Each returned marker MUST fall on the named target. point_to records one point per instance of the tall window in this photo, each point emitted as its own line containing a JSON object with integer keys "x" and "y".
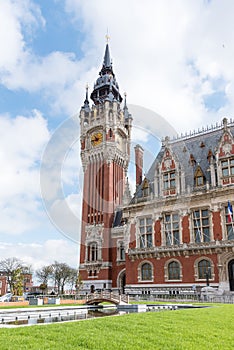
{"x": 121, "y": 251}
{"x": 146, "y": 272}
{"x": 171, "y": 229}
{"x": 169, "y": 180}
{"x": 201, "y": 227}
{"x": 227, "y": 166}
{"x": 174, "y": 270}
{"x": 204, "y": 268}
{"x": 93, "y": 251}
{"x": 229, "y": 225}
{"x": 145, "y": 228}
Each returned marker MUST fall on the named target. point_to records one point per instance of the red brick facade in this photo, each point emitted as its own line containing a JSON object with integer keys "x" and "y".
{"x": 173, "y": 233}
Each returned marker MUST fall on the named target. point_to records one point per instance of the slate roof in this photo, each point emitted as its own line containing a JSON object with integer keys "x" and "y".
{"x": 198, "y": 146}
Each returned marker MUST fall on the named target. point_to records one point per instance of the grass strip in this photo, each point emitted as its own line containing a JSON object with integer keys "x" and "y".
{"x": 208, "y": 328}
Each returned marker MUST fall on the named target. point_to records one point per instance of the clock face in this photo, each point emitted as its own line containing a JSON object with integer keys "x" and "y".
{"x": 96, "y": 139}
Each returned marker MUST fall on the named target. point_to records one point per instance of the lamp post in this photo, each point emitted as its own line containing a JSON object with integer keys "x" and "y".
{"x": 207, "y": 274}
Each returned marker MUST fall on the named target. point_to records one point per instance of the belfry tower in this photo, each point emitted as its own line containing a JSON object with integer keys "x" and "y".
{"x": 105, "y": 130}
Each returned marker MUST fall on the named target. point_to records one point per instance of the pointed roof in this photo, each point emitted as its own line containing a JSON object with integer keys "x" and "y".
{"x": 107, "y": 60}
{"x": 106, "y": 86}
{"x": 127, "y": 115}
{"x": 86, "y": 101}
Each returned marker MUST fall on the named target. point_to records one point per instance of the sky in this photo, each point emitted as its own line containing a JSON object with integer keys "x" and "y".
{"x": 174, "y": 59}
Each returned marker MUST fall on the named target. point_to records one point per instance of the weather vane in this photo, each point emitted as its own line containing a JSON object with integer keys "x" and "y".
{"x": 107, "y": 36}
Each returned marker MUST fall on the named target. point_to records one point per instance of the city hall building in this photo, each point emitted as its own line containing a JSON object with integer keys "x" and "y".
{"x": 176, "y": 232}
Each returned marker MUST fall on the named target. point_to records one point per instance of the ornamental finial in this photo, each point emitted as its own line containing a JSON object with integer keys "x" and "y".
{"x": 107, "y": 36}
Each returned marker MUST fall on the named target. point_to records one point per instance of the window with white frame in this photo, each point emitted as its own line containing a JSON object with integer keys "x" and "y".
{"x": 93, "y": 251}
{"x": 201, "y": 225}
{"x": 229, "y": 224}
{"x": 227, "y": 166}
{"x": 173, "y": 270}
{"x": 145, "y": 230}
{"x": 169, "y": 180}
{"x": 171, "y": 229}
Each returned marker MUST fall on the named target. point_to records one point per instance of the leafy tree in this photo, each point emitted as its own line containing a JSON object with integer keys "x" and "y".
{"x": 13, "y": 269}
{"x": 43, "y": 287}
{"x": 79, "y": 283}
{"x": 17, "y": 277}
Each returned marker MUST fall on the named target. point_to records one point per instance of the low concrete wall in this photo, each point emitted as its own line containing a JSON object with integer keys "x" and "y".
{"x": 14, "y": 303}
{"x": 70, "y": 301}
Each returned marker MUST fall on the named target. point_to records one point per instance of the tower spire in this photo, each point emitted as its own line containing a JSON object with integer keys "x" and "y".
{"x": 106, "y": 86}
{"x": 107, "y": 60}
{"x": 86, "y": 101}
{"x": 127, "y": 115}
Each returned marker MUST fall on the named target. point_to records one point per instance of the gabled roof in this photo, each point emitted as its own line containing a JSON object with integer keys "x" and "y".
{"x": 201, "y": 147}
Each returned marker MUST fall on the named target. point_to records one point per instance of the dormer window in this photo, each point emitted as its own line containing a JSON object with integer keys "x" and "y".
{"x": 227, "y": 166}
{"x": 169, "y": 180}
{"x": 145, "y": 188}
{"x": 199, "y": 179}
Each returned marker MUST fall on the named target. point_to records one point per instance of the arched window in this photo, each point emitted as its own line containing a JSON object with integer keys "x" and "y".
{"x": 204, "y": 268}
{"x": 146, "y": 272}
{"x": 173, "y": 270}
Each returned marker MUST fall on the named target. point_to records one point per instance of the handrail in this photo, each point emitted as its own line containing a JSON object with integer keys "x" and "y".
{"x": 106, "y": 295}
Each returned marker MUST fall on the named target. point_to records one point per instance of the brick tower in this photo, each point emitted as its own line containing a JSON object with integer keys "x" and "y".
{"x": 105, "y": 130}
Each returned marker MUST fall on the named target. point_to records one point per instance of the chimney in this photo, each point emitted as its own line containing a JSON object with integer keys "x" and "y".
{"x": 139, "y": 163}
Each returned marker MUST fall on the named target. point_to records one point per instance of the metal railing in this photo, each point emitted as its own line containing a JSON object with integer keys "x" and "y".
{"x": 115, "y": 297}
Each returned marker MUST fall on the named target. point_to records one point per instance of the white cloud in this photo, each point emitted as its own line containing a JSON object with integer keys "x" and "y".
{"x": 167, "y": 55}
{"x": 154, "y": 46}
{"x": 40, "y": 254}
{"x": 21, "y": 142}
{"x": 16, "y": 18}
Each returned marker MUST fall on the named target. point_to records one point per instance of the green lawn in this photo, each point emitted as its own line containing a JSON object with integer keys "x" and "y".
{"x": 208, "y": 328}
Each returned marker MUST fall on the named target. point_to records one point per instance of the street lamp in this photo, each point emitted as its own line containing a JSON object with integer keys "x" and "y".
{"x": 207, "y": 274}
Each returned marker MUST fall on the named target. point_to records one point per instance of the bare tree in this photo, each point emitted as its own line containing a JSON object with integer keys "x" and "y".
{"x": 73, "y": 278}
{"x": 61, "y": 273}
{"x": 44, "y": 274}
